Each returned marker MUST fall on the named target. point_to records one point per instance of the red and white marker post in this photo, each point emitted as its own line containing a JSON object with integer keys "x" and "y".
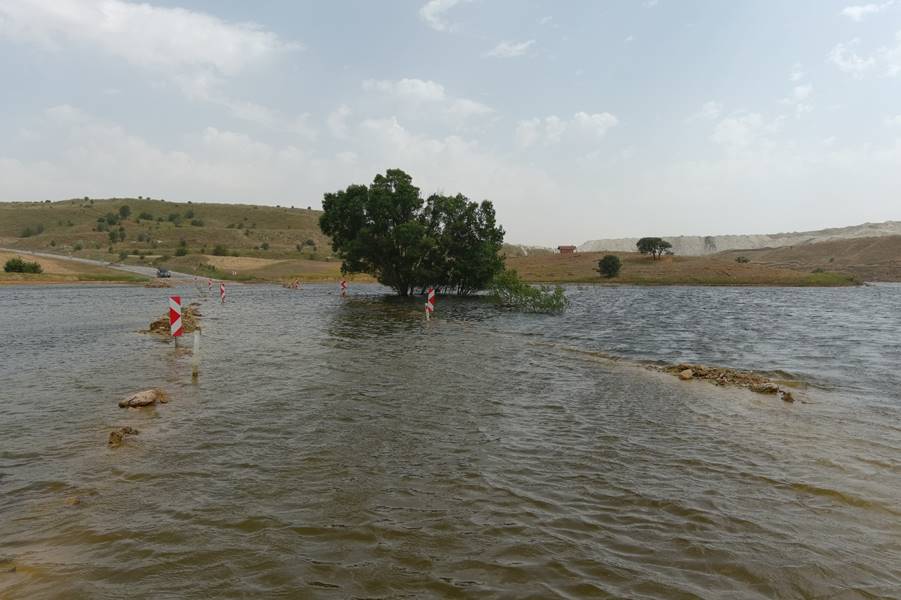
{"x": 176, "y": 329}
{"x": 209, "y": 286}
{"x": 222, "y": 291}
{"x": 343, "y": 288}
{"x": 429, "y": 303}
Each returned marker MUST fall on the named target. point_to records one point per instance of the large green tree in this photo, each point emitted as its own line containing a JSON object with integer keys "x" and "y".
{"x": 388, "y": 231}
{"x": 654, "y": 246}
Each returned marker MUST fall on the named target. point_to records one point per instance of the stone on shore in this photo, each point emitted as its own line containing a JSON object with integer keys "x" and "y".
{"x": 686, "y": 374}
{"x": 145, "y": 398}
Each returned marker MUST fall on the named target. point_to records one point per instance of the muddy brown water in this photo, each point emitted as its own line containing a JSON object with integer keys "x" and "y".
{"x": 344, "y": 448}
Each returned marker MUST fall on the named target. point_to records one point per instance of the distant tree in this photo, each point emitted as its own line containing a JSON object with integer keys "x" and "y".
{"x": 113, "y": 237}
{"x": 146, "y": 216}
{"x": 389, "y": 232}
{"x": 609, "y": 266}
{"x": 654, "y": 246}
{"x": 124, "y": 211}
{"x": 17, "y": 265}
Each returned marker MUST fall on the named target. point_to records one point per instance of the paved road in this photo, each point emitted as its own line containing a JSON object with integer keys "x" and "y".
{"x": 146, "y": 271}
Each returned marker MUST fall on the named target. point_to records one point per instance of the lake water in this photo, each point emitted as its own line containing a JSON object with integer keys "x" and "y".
{"x": 345, "y": 448}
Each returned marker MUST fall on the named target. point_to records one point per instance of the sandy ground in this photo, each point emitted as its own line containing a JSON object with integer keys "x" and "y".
{"x": 59, "y": 271}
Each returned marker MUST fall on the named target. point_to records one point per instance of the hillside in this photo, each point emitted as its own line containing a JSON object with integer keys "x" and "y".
{"x": 669, "y": 270}
{"x": 248, "y": 242}
{"x": 686, "y": 245}
{"x": 157, "y": 232}
{"x": 867, "y": 259}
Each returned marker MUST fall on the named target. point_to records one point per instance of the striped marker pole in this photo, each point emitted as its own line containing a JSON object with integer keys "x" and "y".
{"x": 176, "y": 329}
{"x": 222, "y": 291}
{"x": 209, "y": 286}
{"x": 430, "y": 303}
{"x": 343, "y": 288}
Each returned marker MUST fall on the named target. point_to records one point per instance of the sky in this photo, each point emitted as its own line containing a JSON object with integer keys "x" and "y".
{"x": 579, "y": 120}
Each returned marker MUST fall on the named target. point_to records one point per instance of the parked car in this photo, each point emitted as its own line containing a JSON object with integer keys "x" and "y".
{"x": 161, "y": 272}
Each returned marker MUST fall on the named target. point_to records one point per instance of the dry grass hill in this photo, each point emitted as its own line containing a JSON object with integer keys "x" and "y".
{"x": 668, "y": 270}
{"x": 249, "y": 242}
{"x": 867, "y": 259}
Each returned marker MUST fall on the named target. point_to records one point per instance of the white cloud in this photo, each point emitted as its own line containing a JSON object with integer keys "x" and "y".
{"x": 709, "y": 111}
{"x": 859, "y": 12}
{"x": 798, "y": 99}
{"x": 552, "y": 129}
{"x": 417, "y": 94}
{"x": 545, "y": 20}
{"x": 142, "y": 34}
{"x": 596, "y": 124}
{"x": 337, "y": 121}
{"x": 797, "y": 73}
{"x": 434, "y": 12}
{"x": 412, "y": 89}
{"x": 98, "y": 158}
{"x": 846, "y": 58}
{"x": 510, "y": 49}
{"x": 650, "y": 3}
{"x": 465, "y": 108}
{"x": 194, "y": 50}
{"x": 885, "y": 60}
{"x": 738, "y": 131}
{"x": 894, "y": 121}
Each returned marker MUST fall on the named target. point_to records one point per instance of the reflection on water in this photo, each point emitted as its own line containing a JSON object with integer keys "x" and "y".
{"x": 346, "y": 448}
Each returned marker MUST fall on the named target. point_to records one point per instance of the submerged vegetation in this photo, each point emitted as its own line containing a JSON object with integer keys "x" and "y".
{"x": 508, "y": 290}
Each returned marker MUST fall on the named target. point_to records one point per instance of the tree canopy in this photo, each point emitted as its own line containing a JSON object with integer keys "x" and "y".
{"x": 609, "y": 266}
{"x": 388, "y": 231}
{"x": 654, "y": 246}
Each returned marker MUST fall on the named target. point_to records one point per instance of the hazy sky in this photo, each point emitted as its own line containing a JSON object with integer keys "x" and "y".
{"x": 579, "y": 120}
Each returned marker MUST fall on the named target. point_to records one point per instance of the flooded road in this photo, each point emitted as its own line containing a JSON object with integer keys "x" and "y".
{"x": 345, "y": 448}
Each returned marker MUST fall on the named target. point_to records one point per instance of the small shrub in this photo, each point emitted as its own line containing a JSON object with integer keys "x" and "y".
{"x": 819, "y": 270}
{"x": 197, "y": 222}
{"x": 17, "y": 265}
{"x": 78, "y": 247}
{"x": 220, "y": 250}
{"x": 53, "y": 243}
{"x": 264, "y": 245}
{"x": 508, "y": 290}
{"x": 742, "y": 259}
{"x": 123, "y": 255}
{"x": 146, "y": 216}
{"x": 189, "y": 214}
{"x": 181, "y": 251}
{"x": 124, "y": 211}
{"x": 27, "y": 232}
{"x": 609, "y": 266}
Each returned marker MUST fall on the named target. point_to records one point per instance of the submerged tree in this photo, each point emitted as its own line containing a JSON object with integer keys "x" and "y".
{"x": 654, "y": 246}
{"x": 389, "y": 232}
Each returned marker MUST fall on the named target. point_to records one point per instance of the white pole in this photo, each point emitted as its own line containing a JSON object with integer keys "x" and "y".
{"x": 195, "y": 357}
